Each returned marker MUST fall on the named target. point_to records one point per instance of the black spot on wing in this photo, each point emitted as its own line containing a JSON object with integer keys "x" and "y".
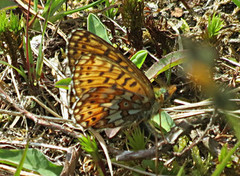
{"x": 101, "y": 73}
{"x": 111, "y": 68}
{"x": 120, "y": 75}
{"x": 106, "y": 52}
{"x": 125, "y": 81}
{"x": 106, "y": 80}
{"x": 133, "y": 84}
{"x": 89, "y": 112}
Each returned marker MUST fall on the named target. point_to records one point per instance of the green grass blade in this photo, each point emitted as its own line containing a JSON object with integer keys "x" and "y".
{"x": 20, "y": 166}
{"x": 168, "y": 61}
{"x": 22, "y": 73}
{"x": 60, "y": 15}
{"x": 40, "y": 53}
{"x": 223, "y": 164}
{"x": 52, "y": 7}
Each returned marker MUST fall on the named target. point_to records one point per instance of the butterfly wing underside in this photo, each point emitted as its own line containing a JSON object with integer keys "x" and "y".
{"x": 108, "y": 90}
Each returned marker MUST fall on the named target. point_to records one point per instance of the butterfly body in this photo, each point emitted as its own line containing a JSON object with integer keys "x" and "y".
{"x": 108, "y": 89}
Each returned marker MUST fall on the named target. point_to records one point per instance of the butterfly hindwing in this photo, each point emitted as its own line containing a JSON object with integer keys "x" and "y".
{"x": 108, "y": 89}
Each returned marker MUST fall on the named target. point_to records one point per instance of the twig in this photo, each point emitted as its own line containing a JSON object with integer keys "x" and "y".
{"x": 230, "y": 61}
{"x": 15, "y": 113}
{"x": 13, "y": 170}
{"x": 192, "y": 105}
{"x": 37, "y": 120}
{"x": 44, "y": 106}
{"x": 134, "y": 169}
{"x": 199, "y": 139}
{"x": 33, "y": 144}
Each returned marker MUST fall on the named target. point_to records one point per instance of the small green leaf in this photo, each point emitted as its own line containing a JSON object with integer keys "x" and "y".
{"x": 182, "y": 143}
{"x": 139, "y": 58}
{"x": 165, "y": 121}
{"x": 185, "y": 27}
{"x": 95, "y": 26}
{"x": 63, "y": 83}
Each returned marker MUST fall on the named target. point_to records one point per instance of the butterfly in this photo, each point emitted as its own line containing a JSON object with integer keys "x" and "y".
{"x": 108, "y": 90}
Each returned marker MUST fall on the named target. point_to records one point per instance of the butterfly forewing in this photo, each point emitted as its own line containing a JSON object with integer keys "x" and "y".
{"x": 108, "y": 89}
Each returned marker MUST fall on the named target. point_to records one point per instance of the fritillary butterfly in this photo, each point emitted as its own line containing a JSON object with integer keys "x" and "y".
{"x": 108, "y": 90}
